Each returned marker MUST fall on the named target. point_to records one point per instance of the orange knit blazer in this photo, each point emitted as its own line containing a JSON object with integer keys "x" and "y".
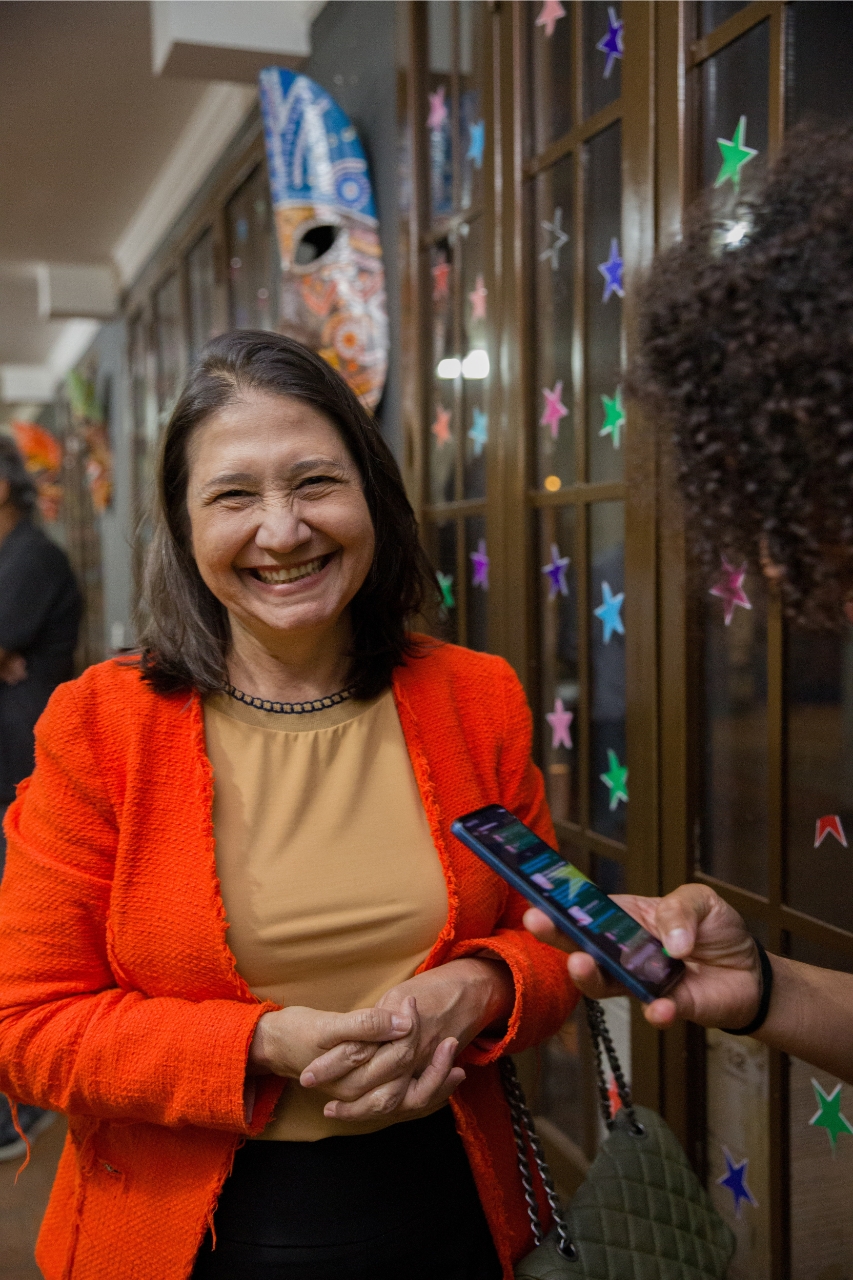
{"x": 120, "y": 1003}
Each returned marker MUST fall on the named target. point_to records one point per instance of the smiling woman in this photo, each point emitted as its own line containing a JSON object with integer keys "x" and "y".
{"x": 237, "y": 907}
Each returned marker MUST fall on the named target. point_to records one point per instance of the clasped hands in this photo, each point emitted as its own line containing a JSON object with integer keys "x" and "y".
{"x": 397, "y": 1057}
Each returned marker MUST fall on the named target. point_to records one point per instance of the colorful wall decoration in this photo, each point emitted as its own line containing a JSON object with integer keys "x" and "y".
{"x": 88, "y": 423}
{"x": 42, "y": 454}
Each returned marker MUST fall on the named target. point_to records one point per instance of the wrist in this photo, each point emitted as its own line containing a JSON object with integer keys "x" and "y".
{"x": 499, "y": 995}
{"x": 259, "y": 1062}
{"x": 765, "y": 991}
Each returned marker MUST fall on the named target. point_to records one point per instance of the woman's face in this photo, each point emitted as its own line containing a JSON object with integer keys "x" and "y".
{"x": 280, "y": 528}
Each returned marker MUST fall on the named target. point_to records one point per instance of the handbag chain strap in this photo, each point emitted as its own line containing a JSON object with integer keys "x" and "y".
{"x": 526, "y": 1136}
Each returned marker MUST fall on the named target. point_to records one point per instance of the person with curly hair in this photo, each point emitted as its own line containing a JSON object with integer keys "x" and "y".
{"x": 746, "y": 354}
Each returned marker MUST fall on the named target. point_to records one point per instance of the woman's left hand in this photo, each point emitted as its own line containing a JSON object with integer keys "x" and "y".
{"x": 458, "y": 1000}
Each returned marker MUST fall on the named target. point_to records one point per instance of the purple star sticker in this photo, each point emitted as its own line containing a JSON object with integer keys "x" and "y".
{"x": 480, "y": 561}
{"x": 560, "y": 721}
{"x": 556, "y": 572}
{"x": 612, "y": 44}
{"x": 612, "y": 272}
{"x": 735, "y": 1179}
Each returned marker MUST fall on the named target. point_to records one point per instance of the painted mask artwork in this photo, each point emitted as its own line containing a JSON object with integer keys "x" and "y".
{"x": 333, "y": 280}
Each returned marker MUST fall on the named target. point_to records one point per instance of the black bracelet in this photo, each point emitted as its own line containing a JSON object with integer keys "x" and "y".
{"x": 764, "y": 1002}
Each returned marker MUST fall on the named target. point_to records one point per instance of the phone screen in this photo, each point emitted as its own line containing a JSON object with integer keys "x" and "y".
{"x": 613, "y": 932}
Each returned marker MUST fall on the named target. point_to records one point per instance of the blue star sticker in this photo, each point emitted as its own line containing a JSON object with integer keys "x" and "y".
{"x": 477, "y": 142}
{"x": 479, "y": 433}
{"x": 612, "y": 43}
{"x": 556, "y": 572}
{"x": 735, "y": 1179}
{"x": 612, "y": 272}
{"x": 609, "y": 612}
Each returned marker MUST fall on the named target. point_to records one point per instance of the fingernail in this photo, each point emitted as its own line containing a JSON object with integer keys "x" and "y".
{"x": 677, "y": 940}
{"x": 401, "y": 1024}
{"x": 307, "y": 1079}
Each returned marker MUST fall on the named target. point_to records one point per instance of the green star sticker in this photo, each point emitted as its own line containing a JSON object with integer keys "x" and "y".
{"x": 616, "y": 780}
{"x": 735, "y": 155}
{"x": 445, "y": 581}
{"x": 614, "y": 417}
{"x": 828, "y": 1115}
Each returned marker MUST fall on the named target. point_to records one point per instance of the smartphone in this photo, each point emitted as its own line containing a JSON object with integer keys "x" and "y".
{"x": 621, "y": 946}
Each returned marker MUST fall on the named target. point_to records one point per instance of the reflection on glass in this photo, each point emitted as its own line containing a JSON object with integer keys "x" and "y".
{"x": 821, "y": 1176}
{"x": 477, "y": 564}
{"x": 819, "y": 695}
{"x": 713, "y": 13}
{"x": 472, "y": 141}
{"x": 735, "y": 85}
{"x": 817, "y": 61}
{"x": 738, "y": 1126}
{"x": 168, "y": 327}
{"x": 440, "y": 106}
{"x": 603, "y": 46}
{"x": 475, "y": 389}
{"x": 558, "y": 657}
{"x": 603, "y": 289}
{"x": 549, "y": 46}
{"x": 441, "y": 543}
{"x": 202, "y": 281}
{"x": 608, "y": 874}
{"x": 733, "y": 824}
{"x": 553, "y": 310}
{"x": 444, "y": 425}
{"x": 253, "y": 262}
{"x": 609, "y": 781}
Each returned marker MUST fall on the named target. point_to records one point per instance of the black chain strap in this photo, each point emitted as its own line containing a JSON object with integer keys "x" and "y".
{"x": 526, "y": 1136}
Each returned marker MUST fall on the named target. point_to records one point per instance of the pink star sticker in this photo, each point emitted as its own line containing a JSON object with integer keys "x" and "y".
{"x": 441, "y": 427}
{"x": 478, "y": 300}
{"x": 437, "y": 108}
{"x": 554, "y": 408}
{"x": 440, "y": 281}
{"x": 730, "y": 589}
{"x": 560, "y": 720}
{"x": 549, "y": 16}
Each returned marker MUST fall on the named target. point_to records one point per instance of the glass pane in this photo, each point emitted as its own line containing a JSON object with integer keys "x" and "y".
{"x": 168, "y": 326}
{"x": 144, "y": 431}
{"x": 608, "y": 874}
{"x": 553, "y": 311}
{"x": 253, "y": 255}
{"x": 821, "y": 1174}
{"x": 477, "y": 555}
{"x": 441, "y": 544}
{"x": 202, "y": 282}
{"x": 439, "y": 89}
{"x": 739, "y": 1147}
{"x": 549, "y": 72}
{"x": 602, "y": 54}
{"x": 473, "y": 55}
{"x": 608, "y": 765}
{"x": 603, "y": 291}
{"x": 564, "y": 1095}
{"x": 713, "y": 13}
{"x": 817, "y": 62}
{"x": 819, "y": 695}
{"x": 558, "y": 658}
{"x": 733, "y": 824}
{"x": 446, "y": 376}
{"x": 734, "y": 90}
{"x": 475, "y": 362}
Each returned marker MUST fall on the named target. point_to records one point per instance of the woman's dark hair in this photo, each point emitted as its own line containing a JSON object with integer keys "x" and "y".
{"x": 746, "y": 351}
{"x": 22, "y": 489}
{"x": 184, "y": 632}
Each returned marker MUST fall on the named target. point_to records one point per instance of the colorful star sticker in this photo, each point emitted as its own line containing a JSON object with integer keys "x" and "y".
{"x": 479, "y": 433}
{"x": 609, "y": 612}
{"x": 554, "y": 228}
{"x": 614, "y": 417}
{"x": 477, "y": 298}
{"x": 441, "y": 280}
{"x": 615, "y": 779}
{"x": 554, "y": 409}
{"x": 829, "y": 826}
{"x": 556, "y": 572}
{"x": 560, "y": 721}
{"x": 437, "y": 109}
{"x": 480, "y": 561}
{"x": 445, "y": 582}
{"x": 730, "y": 590}
{"x": 612, "y": 272}
{"x": 549, "y": 15}
{"x": 441, "y": 427}
{"x": 476, "y": 143}
{"x": 612, "y": 43}
{"x": 828, "y": 1115}
{"x": 735, "y": 155}
{"x": 735, "y": 1179}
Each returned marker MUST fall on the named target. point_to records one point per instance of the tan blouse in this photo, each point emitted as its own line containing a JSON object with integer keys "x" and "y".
{"x": 332, "y": 886}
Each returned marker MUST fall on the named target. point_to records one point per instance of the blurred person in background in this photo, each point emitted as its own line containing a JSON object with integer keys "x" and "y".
{"x": 39, "y": 619}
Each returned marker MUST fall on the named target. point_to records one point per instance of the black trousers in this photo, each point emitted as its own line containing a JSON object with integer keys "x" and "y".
{"x": 396, "y": 1204}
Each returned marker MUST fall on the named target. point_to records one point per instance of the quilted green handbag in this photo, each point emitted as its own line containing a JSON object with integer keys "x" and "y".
{"x": 641, "y": 1213}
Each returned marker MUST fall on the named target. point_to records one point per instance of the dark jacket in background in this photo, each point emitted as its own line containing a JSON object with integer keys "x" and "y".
{"x": 40, "y": 608}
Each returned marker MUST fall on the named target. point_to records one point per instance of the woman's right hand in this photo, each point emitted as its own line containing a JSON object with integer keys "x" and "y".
{"x": 286, "y": 1041}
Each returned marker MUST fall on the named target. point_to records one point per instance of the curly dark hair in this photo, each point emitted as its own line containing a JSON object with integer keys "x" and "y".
{"x": 746, "y": 352}
{"x": 184, "y": 629}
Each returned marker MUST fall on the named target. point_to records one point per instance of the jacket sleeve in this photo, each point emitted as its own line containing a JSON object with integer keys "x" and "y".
{"x": 544, "y": 992}
{"x": 71, "y": 1038}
